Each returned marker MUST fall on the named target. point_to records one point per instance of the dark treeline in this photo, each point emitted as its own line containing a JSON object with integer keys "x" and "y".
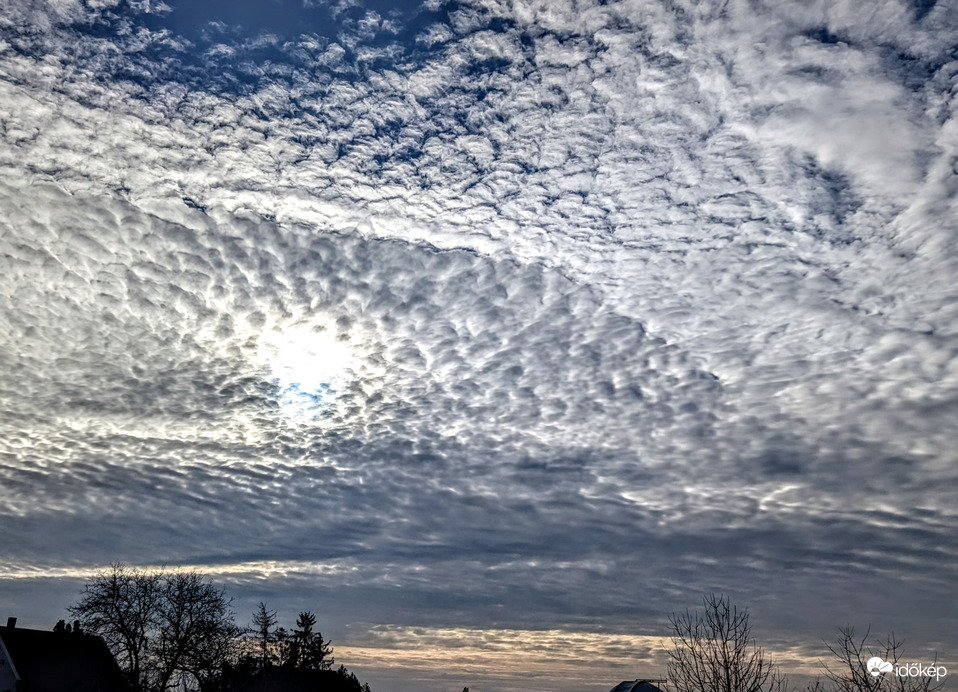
{"x": 177, "y": 631}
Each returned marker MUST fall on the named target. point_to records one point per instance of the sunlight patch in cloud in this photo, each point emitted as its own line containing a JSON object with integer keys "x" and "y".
{"x": 254, "y": 569}
{"x": 312, "y": 368}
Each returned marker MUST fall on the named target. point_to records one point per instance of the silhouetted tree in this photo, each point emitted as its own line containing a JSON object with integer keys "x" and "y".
{"x": 818, "y": 685}
{"x": 121, "y": 606}
{"x": 65, "y": 627}
{"x": 352, "y": 681}
{"x": 714, "y": 651}
{"x": 264, "y": 623}
{"x": 162, "y": 627}
{"x": 850, "y": 672}
{"x": 196, "y": 630}
{"x": 305, "y": 648}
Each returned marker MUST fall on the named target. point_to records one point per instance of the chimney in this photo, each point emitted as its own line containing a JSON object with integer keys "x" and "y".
{"x": 11, "y": 623}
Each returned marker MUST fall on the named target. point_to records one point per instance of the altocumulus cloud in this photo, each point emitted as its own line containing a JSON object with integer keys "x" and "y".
{"x": 601, "y": 306}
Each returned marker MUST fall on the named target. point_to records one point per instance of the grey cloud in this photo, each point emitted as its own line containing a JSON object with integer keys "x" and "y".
{"x": 643, "y": 302}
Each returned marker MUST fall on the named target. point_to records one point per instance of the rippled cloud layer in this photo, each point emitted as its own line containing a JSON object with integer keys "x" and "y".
{"x": 506, "y": 315}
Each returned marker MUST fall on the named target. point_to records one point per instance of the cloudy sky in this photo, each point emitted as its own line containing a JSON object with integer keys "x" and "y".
{"x": 492, "y": 331}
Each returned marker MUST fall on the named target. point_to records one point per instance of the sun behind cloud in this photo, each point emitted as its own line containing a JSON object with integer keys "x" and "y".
{"x": 311, "y": 365}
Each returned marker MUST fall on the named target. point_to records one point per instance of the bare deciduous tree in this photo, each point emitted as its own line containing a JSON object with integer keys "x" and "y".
{"x": 162, "y": 627}
{"x": 120, "y": 605}
{"x": 850, "y": 672}
{"x": 195, "y": 629}
{"x": 714, "y": 651}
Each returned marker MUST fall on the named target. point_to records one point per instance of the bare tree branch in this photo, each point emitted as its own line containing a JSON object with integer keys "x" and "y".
{"x": 714, "y": 651}
{"x": 849, "y": 673}
{"x": 162, "y": 627}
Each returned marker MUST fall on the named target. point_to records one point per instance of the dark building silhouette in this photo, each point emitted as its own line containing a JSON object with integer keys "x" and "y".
{"x": 295, "y": 680}
{"x": 61, "y": 661}
{"x": 637, "y": 686}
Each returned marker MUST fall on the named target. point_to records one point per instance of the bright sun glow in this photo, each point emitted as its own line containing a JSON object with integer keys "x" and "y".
{"x": 311, "y": 367}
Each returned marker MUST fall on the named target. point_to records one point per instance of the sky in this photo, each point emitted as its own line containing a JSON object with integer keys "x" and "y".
{"x": 493, "y": 332}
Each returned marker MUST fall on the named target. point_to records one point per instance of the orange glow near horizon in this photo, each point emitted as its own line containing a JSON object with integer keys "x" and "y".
{"x": 448, "y": 659}
{"x": 452, "y": 658}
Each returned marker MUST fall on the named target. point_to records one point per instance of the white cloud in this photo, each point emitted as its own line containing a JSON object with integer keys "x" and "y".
{"x": 623, "y": 286}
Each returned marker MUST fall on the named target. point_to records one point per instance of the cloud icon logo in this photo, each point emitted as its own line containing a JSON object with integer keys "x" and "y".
{"x": 876, "y": 666}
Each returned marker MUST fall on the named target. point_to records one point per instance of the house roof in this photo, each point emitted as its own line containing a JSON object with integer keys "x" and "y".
{"x": 637, "y": 686}
{"x": 62, "y": 662}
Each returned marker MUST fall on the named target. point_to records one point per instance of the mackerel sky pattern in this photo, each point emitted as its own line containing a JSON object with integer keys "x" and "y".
{"x": 630, "y": 302}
